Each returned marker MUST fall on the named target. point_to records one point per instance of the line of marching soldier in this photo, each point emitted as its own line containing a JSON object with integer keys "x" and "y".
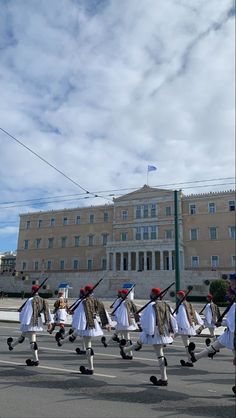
{"x": 159, "y": 325}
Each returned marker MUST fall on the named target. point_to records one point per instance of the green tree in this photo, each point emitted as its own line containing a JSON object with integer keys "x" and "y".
{"x": 218, "y": 289}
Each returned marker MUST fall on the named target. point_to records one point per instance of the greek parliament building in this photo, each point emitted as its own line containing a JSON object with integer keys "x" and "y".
{"x": 135, "y": 233}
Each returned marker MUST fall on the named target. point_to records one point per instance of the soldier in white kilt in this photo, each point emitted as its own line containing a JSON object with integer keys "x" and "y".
{"x": 117, "y": 336}
{"x": 33, "y": 315}
{"x": 88, "y": 326}
{"x": 227, "y": 338}
{"x": 60, "y": 314}
{"x": 158, "y": 325}
{"x": 124, "y": 317}
{"x": 212, "y": 314}
{"x": 187, "y": 319}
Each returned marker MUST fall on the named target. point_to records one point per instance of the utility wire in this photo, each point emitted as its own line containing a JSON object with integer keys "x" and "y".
{"x": 49, "y": 164}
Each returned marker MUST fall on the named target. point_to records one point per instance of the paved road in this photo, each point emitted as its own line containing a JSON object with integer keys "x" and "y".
{"x": 119, "y": 388}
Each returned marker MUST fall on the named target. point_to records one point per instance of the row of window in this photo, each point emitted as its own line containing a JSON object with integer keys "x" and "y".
{"x": 61, "y": 265}
{"x": 64, "y": 241}
{"x": 141, "y": 211}
{"x": 65, "y": 221}
{"x": 211, "y": 207}
{"x": 215, "y": 261}
{"x": 212, "y": 233}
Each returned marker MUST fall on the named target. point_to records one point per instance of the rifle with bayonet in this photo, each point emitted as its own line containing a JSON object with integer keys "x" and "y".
{"x": 74, "y": 306}
{"x": 122, "y": 300}
{"x": 163, "y": 292}
{"x": 220, "y": 319}
{"x": 181, "y": 301}
{"x": 33, "y": 293}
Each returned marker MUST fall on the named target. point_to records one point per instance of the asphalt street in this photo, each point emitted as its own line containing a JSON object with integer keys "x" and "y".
{"x": 119, "y": 388}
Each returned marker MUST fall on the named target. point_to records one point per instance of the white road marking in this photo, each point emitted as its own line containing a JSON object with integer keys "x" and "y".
{"x": 56, "y": 368}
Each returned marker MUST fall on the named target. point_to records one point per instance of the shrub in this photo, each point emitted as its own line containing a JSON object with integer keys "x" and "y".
{"x": 218, "y": 289}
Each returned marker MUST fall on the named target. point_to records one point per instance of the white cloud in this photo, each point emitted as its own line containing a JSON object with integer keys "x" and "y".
{"x": 102, "y": 89}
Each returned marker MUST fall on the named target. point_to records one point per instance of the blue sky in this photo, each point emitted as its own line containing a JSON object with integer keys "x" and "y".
{"x": 101, "y": 89}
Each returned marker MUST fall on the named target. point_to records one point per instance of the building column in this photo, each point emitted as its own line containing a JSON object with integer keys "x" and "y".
{"x": 113, "y": 261}
{"x": 137, "y": 261}
{"x": 161, "y": 261}
{"x": 153, "y": 261}
{"x": 129, "y": 261}
{"x": 145, "y": 260}
{"x": 170, "y": 260}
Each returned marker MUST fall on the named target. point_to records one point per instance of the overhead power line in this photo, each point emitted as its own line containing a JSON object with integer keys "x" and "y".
{"x": 48, "y": 163}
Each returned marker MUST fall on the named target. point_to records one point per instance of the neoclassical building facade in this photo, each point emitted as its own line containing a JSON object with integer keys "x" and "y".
{"x": 135, "y": 233}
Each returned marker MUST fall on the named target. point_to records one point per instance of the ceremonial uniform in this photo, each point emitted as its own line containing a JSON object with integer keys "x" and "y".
{"x": 187, "y": 319}
{"x": 72, "y": 334}
{"x": 212, "y": 314}
{"x": 88, "y": 326}
{"x": 158, "y": 326}
{"x": 117, "y": 335}
{"x": 60, "y": 314}
{"x": 32, "y": 322}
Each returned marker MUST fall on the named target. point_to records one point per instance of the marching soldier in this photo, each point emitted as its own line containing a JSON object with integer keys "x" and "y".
{"x": 88, "y": 326}
{"x": 187, "y": 319}
{"x": 116, "y": 337}
{"x": 227, "y": 338}
{"x": 158, "y": 326}
{"x": 72, "y": 334}
{"x": 60, "y": 314}
{"x": 124, "y": 316}
{"x": 212, "y": 314}
{"x": 31, "y": 323}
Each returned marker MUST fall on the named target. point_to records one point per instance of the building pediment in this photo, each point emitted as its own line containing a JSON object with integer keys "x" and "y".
{"x": 146, "y": 192}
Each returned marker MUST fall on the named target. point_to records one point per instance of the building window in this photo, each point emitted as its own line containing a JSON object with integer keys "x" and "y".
{"x": 90, "y": 264}
{"x": 24, "y": 265}
{"x": 75, "y": 264}
{"x": 27, "y": 224}
{"x": 168, "y": 210}
{"x": 26, "y": 244}
{"x": 153, "y": 232}
{"x": 40, "y": 223}
{"x": 169, "y": 234}
{"x": 138, "y": 233}
{"x": 91, "y": 240}
{"x": 63, "y": 242}
{"x": 38, "y": 243}
{"x": 77, "y": 221}
{"x": 193, "y": 234}
{"x": 233, "y": 260}
{"x": 65, "y": 221}
{"x": 52, "y": 222}
{"x": 232, "y": 232}
{"x": 77, "y": 241}
{"x": 91, "y": 218}
{"x": 192, "y": 209}
{"x": 105, "y": 216}
{"x": 123, "y": 236}
{"x": 145, "y": 211}
{"x": 211, "y": 207}
{"x": 124, "y": 215}
{"x": 62, "y": 264}
{"x": 104, "y": 264}
{"x": 49, "y": 265}
{"x": 50, "y": 242}
{"x": 138, "y": 212}
{"x": 153, "y": 210}
{"x": 145, "y": 232}
{"x": 104, "y": 239}
{"x": 195, "y": 261}
{"x": 36, "y": 265}
{"x": 214, "y": 261}
{"x": 213, "y": 232}
{"x": 232, "y": 205}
